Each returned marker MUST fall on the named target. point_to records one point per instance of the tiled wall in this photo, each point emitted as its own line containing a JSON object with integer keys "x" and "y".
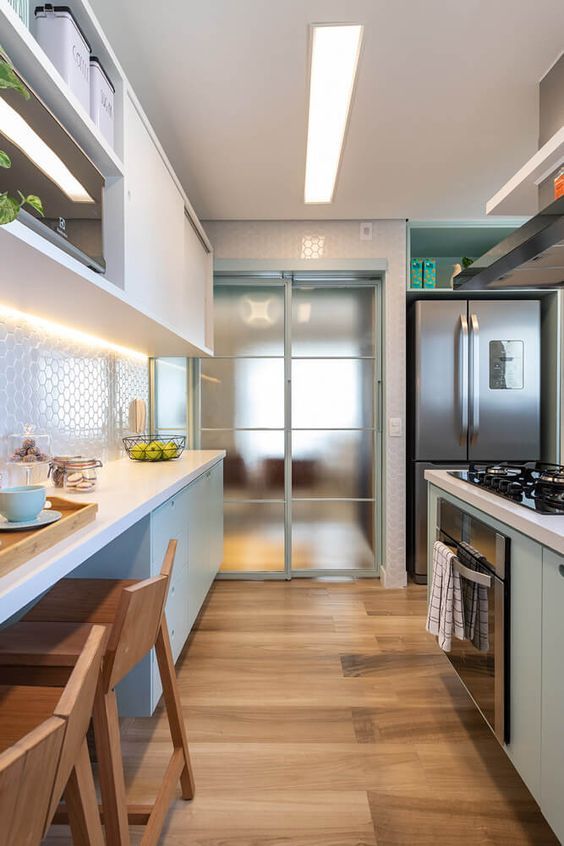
{"x": 77, "y": 393}
{"x": 288, "y": 245}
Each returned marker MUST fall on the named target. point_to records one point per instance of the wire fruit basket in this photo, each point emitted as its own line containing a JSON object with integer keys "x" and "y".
{"x": 154, "y": 448}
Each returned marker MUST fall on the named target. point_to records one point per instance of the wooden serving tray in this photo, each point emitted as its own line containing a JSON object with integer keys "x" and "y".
{"x": 18, "y": 547}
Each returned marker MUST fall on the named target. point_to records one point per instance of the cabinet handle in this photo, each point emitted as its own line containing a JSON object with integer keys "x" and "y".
{"x": 561, "y": 570}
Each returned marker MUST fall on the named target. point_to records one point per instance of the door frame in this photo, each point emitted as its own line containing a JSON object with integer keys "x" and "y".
{"x": 369, "y": 273}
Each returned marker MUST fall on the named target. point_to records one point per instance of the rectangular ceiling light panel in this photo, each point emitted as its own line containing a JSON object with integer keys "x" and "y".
{"x": 335, "y": 51}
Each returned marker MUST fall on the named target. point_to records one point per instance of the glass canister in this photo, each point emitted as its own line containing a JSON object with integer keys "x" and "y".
{"x": 29, "y": 456}
{"x": 75, "y": 473}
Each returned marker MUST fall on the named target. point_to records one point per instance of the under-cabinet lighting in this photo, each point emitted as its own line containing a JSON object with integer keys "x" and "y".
{"x": 335, "y": 51}
{"x": 60, "y": 331}
{"x": 19, "y": 132}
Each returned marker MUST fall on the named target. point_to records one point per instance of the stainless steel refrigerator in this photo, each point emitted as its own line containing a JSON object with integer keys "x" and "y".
{"x": 474, "y": 394}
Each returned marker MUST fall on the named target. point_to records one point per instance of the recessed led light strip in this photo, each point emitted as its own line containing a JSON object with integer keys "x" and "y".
{"x": 335, "y": 51}
{"x": 57, "y": 330}
{"x": 19, "y": 132}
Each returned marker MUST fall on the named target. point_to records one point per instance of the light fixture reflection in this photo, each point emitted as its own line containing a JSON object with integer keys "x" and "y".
{"x": 257, "y": 311}
{"x": 19, "y": 132}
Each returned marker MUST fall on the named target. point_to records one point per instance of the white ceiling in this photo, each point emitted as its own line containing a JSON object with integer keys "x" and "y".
{"x": 445, "y": 109}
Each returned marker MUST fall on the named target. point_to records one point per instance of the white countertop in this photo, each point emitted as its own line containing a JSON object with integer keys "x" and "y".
{"x": 547, "y": 529}
{"x": 126, "y": 491}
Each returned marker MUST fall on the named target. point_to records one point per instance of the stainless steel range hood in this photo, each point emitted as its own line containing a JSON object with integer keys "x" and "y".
{"x": 531, "y": 257}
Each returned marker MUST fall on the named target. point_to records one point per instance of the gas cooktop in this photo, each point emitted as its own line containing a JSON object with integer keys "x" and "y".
{"x": 533, "y": 484}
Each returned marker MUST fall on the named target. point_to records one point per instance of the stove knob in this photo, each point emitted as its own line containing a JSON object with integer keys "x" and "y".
{"x": 503, "y": 485}
{"x": 515, "y": 487}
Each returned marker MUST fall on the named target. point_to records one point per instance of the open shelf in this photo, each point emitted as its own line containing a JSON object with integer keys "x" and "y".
{"x": 446, "y": 242}
{"x": 41, "y": 75}
{"x": 519, "y": 195}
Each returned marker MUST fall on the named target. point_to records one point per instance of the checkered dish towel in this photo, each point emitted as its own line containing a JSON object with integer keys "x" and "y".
{"x": 475, "y": 601}
{"x": 445, "y": 616}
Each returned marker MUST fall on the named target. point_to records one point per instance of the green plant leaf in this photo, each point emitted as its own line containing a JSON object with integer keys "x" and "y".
{"x": 35, "y": 203}
{"x": 9, "y": 209}
{"x": 10, "y": 81}
{"x": 5, "y": 160}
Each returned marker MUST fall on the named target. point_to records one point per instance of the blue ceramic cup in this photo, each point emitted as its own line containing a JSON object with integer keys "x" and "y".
{"x": 22, "y": 504}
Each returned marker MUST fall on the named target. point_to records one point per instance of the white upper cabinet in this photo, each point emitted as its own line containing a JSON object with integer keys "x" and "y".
{"x": 154, "y": 226}
{"x": 157, "y": 293}
{"x": 198, "y": 284}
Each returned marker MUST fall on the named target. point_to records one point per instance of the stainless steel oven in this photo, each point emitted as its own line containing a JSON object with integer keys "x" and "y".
{"x": 483, "y": 562}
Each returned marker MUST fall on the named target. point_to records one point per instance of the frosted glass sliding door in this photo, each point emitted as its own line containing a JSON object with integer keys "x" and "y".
{"x": 291, "y": 395}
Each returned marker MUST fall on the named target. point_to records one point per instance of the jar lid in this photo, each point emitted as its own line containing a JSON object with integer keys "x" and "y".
{"x": 75, "y": 462}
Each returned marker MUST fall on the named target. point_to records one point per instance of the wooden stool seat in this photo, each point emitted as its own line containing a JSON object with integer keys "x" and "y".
{"x": 23, "y": 709}
{"x": 80, "y": 600}
{"x": 41, "y": 648}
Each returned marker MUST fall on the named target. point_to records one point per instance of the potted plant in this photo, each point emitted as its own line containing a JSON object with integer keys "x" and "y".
{"x": 10, "y": 206}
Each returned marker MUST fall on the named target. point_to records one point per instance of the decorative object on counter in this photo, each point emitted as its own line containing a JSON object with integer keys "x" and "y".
{"x": 75, "y": 473}
{"x": 416, "y": 280}
{"x": 18, "y": 546}
{"x": 429, "y": 273}
{"x": 28, "y": 463}
{"x": 137, "y": 416}
{"x": 466, "y": 261}
{"x": 102, "y": 100}
{"x": 10, "y": 206}
{"x": 151, "y": 448}
{"x": 559, "y": 184}
{"x": 21, "y": 8}
{"x": 58, "y": 33}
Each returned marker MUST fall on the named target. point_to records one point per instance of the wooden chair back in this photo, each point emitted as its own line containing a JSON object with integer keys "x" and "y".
{"x": 27, "y": 775}
{"x": 137, "y": 622}
{"x": 75, "y": 708}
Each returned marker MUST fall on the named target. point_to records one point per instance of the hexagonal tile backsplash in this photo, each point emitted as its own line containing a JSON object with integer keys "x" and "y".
{"x": 78, "y": 394}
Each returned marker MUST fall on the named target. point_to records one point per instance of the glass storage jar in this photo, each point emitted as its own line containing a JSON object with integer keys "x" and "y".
{"x": 75, "y": 473}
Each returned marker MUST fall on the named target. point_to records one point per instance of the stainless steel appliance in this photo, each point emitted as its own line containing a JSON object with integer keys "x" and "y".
{"x": 531, "y": 257}
{"x": 47, "y": 162}
{"x": 474, "y": 395}
{"x": 484, "y": 672}
{"x": 534, "y": 485}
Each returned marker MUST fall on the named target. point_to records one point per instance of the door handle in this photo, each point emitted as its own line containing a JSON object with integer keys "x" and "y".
{"x": 463, "y": 377}
{"x": 475, "y": 378}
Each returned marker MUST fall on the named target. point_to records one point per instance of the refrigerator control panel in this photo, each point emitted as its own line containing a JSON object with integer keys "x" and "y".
{"x": 507, "y": 365}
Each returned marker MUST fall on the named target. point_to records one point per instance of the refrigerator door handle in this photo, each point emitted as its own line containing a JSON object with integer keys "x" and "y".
{"x": 474, "y": 378}
{"x": 463, "y": 377}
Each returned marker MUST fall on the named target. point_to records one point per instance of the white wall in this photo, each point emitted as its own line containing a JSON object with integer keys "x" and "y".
{"x": 283, "y": 243}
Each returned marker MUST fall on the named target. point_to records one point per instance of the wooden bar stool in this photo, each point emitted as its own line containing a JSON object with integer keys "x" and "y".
{"x": 44, "y": 754}
{"x": 48, "y": 640}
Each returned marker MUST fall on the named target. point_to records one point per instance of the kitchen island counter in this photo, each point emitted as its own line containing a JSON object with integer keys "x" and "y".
{"x": 546, "y": 529}
{"x": 127, "y": 491}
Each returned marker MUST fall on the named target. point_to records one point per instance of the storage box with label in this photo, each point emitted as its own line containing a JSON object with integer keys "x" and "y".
{"x": 429, "y": 273}
{"x": 102, "y": 100}
{"x": 416, "y": 280}
{"x": 59, "y": 35}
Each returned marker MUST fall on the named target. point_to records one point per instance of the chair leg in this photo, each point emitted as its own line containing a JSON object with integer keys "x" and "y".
{"x": 173, "y": 708}
{"x": 110, "y": 767}
{"x": 82, "y": 804}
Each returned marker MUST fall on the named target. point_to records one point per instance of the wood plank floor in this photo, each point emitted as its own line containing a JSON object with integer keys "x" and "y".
{"x": 322, "y": 714}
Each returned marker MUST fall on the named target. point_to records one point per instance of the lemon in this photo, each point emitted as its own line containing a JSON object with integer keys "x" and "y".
{"x": 154, "y": 451}
{"x": 138, "y": 452}
{"x": 169, "y": 450}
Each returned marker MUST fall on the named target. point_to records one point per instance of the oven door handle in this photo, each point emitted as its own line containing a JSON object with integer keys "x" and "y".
{"x": 472, "y": 575}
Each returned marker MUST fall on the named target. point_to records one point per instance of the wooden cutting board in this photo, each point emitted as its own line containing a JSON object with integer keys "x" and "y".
{"x": 18, "y": 547}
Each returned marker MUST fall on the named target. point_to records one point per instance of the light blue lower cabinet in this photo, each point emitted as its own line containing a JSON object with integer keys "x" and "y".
{"x": 194, "y": 517}
{"x": 552, "y": 749}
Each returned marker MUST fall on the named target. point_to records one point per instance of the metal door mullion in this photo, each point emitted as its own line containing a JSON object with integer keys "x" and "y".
{"x": 288, "y": 427}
